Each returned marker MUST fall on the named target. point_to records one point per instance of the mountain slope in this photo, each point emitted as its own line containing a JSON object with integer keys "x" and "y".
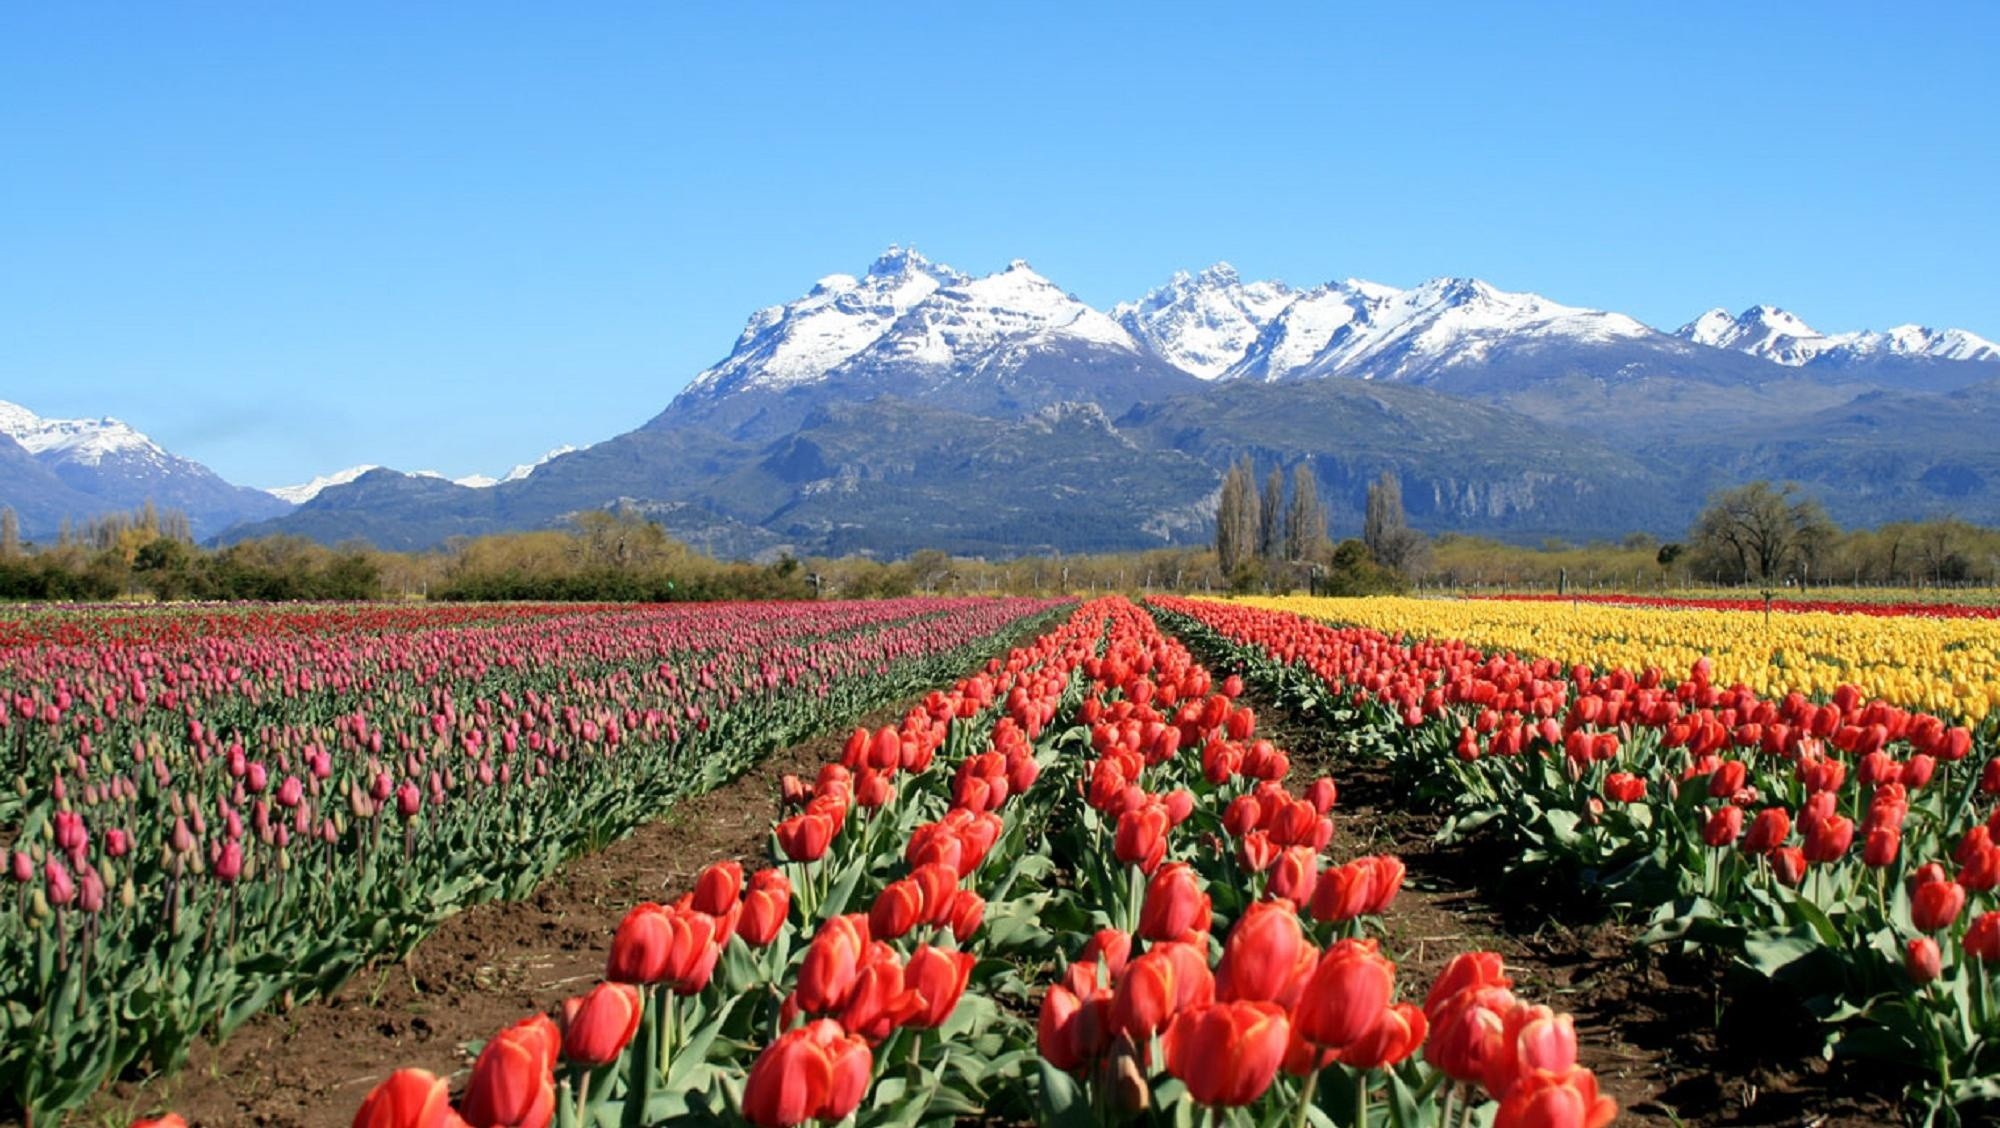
{"x": 1001, "y": 345}
{"x": 916, "y": 405}
{"x": 109, "y": 466}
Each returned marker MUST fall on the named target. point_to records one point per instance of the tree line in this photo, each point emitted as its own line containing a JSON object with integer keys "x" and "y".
{"x": 1279, "y": 536}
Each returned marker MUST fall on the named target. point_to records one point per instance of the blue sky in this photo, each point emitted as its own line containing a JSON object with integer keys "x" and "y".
{"x": 285, "y": 240}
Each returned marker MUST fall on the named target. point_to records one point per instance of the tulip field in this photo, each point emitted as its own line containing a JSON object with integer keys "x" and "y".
{"x": 1810, "y": 800}
{"x": 1074, "y": 888}
{"x": 1078, "y": 885}
{"x": 217, "y": 809}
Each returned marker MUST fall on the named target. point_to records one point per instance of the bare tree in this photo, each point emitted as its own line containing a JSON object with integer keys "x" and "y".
{"x": 1761, "y": 532}
{"x": 10, "y": 533}
{"x": 1305, "y": 524}
{"x": 1236, "y": 518}
{"x": 1271, "y": 517}
{"x": 1386, "y": 529}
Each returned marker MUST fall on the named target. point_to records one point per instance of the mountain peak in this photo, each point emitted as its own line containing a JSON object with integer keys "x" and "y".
{"x": 1203, "y": 323}
{"x": 84, "y": 441}
{"x": 899, "y": 261}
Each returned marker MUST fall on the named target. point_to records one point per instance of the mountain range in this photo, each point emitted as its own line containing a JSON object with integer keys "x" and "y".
{"x": 917, "y": 406}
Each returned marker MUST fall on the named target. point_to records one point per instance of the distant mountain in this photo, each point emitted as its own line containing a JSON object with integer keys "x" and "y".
{"x": 1921, "y": 357}
{"x": 104, "y": 465}
{"x": 1003, "y": 345}
{"x": 916, "y": 405}
{"x": 306, "y": 491}
{"x": 1203, "y": 324}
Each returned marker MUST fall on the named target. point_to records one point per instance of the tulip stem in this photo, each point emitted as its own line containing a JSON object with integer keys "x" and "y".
{"x": 1361, "y": 1100}
{"x": 1306, "y": 1099}
{"x": 1450, "y": 1094}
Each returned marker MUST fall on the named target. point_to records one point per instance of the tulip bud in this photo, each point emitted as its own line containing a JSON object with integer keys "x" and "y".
{"x": 1922, "y": 960}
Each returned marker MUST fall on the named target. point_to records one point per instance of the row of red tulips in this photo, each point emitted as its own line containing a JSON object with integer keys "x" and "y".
{"x": 1095, "y": 794}
{"x": 1841, "y": 847}
{"x": 211, "y": 824}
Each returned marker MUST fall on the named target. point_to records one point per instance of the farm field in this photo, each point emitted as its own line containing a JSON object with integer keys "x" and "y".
{"x": 222, "y": 809}
{"x": 997, "y": 861}
{"x": 1834, "y": 846}
{"x": 1055, "y": 888}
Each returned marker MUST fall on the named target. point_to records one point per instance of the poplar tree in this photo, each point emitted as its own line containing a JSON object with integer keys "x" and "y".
{"x": 1305, "y": 524}
{"x": 1236, "y": 518}
{"x": 1271, "y": 518}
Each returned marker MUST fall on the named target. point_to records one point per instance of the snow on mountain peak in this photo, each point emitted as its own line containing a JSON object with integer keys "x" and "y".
{"x": 1367, "y": 329}
{"x": 1777, "y": 335}
{"x": 1203, "y": 323}
{"x": 965, "y": 322}
{"x": 86, "y": 442}
{"x": 306, "y": 491}
{"x": 800, "y": 341}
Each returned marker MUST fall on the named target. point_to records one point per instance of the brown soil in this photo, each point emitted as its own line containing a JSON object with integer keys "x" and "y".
{"x": 1647, "y": 1027}
{"x": 484, "y": 968}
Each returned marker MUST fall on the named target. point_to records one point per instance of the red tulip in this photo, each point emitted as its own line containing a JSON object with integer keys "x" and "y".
{"x": 880, "y": 1000}
{"x": 1343, "y": 892}
{"x": 897, "y": 909}
{"x": 1723, "y": 826}
{"x": 641, "y": 947}
{"x": 1556, "y": 1100}
{"x": 1829, "y": 838}
{"x": 1055, "y": 1030}
{"x": 765, "y": 908}
{"x": 513, "y": 1081}
{"x": 1294, "y": 875}
{"x": 940, "y": 977}
{"x": 1882, "y": 846}
{"x": 1531, "y": 1038}
{"x": 1466, "y": 971}
{"x": 815, "y": 1071}
{"x": 598, "y": 1025}
{"x": 938, "y": 884}
{"x": 805, "y": 838}
{"x": 1768, "y": 831}
{"x": 1261, "y": 953}
{"x": 409, "y": 1098}
{"x": 1396, "y": 1036}
{"x": 968, "y": 912}
{"x": 719, "y": 889}
{"x": 1934, "y": 905}
{"x": 1789, "y": 864}
{"x": 1623, "y": 787}
{"x": 1227, "y": 1053}
{"x": 831, "y": 963}
{"x": 1175, "y": 906}
{"x": 1922, "y": 960}
{"x": 1467, "y": 1031}
{"x": 1141, "y": 838}
{"x": 1385, "y": 881}
{"x": 1145, "y": 996}
{"x": 1982, "y": 938}
{"x": 164, "y": 1120}
{"x": 1346, "y": 995}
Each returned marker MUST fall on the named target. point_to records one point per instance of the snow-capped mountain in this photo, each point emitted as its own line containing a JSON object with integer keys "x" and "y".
{"x": 81, "y": 442}
{"x": 1005, "y": 343}
{"x": 526, "y": 468}
{"x": 1371, "y": 331}
{"x": 1781, "y": 337}
{"x": 306, "y": 491}
{"x": 116, "y": 467}
{"x": 802, "y": 340}
{"x": 1204, "y": 323}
